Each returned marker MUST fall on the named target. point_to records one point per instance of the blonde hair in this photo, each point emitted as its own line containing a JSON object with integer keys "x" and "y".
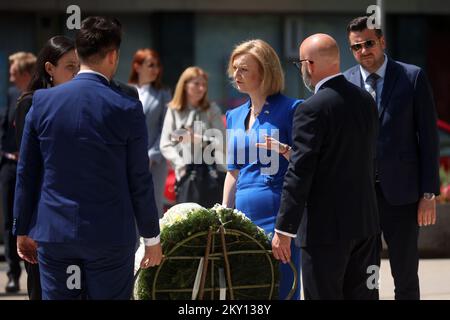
{"x": 179, "y": 100}
{"x": 270, "y": 67}
{"x": 26, "y": 61}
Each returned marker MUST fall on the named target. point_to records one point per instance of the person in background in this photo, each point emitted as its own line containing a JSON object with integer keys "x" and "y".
{"x": 189, "y": 107}
{"x": 56, "y": 63}
{"x": 407, "y": 178}
{"x": 146, "y": 76}
{"x": 255, "y": 70}
{"x": 21, "y": 68}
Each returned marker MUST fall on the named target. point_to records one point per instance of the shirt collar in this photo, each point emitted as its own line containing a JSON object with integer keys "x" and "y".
{"x": 321, "y": 82}
{"x": 94, "y": 72}
{"x": 381, "y": 71}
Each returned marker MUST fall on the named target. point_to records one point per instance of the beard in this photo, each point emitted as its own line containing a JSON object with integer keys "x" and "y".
{"x": 306, "y": 76}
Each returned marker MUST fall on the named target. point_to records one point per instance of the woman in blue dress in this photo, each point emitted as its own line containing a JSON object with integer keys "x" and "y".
{"x": 259, "y": 139}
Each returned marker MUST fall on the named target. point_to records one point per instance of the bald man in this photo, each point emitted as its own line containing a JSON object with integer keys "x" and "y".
{"x": 331, "y": 175}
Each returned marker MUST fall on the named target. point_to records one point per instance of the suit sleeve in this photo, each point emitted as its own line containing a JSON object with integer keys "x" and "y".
{"x": 169, "y": 151}
{"x": 292, "y": 110}
{"x": 29, "y": 173}
{"x": 139, "y": 178}
{"x": 308, "y": 132}
{"x": 23, "y": 106}
{"x": 426, "y": 119}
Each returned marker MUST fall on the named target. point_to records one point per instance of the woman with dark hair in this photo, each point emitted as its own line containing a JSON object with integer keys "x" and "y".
{"x": 56, "y": 63}
{"x": 146, "y": 75}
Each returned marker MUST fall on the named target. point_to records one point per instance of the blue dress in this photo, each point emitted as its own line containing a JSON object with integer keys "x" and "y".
{"x": 261, "y": 172}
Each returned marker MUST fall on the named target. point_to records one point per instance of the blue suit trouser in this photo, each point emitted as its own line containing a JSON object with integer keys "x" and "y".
{"x": 70, "y": 271}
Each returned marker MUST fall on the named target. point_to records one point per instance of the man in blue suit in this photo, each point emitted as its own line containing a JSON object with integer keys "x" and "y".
{"x": 407, "y": 177}
{"x": 82, "y": 180}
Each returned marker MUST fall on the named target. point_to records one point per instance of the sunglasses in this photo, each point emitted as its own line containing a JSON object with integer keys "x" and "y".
{"x": 367, "y": 45}
{"x": 298, "y": 63}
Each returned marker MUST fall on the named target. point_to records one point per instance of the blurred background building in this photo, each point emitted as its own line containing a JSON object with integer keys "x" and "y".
{"x": 203, "y": 33}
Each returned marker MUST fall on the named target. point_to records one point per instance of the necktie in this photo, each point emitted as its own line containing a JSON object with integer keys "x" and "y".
{"x": 372, "y": 82}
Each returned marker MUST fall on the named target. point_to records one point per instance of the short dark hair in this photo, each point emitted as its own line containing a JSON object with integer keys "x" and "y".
{"x": 96, "y": 37}
{"x": 360, "y": 24}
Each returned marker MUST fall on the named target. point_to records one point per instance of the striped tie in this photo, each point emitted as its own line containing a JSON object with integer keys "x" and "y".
{"x": 372, "y": 82}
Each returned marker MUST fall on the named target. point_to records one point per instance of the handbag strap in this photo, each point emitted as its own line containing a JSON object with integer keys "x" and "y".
{"x": 192, "y": 116}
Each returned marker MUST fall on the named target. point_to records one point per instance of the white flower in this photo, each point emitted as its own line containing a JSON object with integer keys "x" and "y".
{"x": 218, "y": 207}
{"x": 177, "y": 213}
{"x": 241, "y": 214}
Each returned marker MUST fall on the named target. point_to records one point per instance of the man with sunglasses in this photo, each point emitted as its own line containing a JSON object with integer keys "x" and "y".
{"x": 407, "y": 177}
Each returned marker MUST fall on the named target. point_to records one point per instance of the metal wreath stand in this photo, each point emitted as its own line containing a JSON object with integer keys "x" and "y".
{"x": 211, "y": 257}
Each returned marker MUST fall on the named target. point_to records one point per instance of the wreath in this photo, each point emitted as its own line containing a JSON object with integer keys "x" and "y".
{"x": 216, "y": 253}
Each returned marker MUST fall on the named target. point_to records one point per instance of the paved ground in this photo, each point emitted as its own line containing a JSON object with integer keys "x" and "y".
{"x": 434, "y": 275}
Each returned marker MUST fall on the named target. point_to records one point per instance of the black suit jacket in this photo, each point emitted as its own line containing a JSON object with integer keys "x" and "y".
{"x": 331, "y": 170}
{"x": 125, "y": 88}
{"x": 408, "y": 144}
{"x": 8, "y": 139}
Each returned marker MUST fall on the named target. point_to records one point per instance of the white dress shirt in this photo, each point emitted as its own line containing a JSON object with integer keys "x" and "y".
{"x": 94, "y": 72}
{"x": 380, "y": 82}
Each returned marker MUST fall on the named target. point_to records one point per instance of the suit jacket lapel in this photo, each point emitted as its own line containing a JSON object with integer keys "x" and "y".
{"x": 355, "y": 77}
{"x": 389, "y": 84}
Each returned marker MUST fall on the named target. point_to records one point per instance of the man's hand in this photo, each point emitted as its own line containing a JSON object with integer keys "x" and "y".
{"x": 426, "y": 213}
{"x": 152, "y": 256}
{"x": 27, "y": 249}
{"x": 281, "y": 247}
{"x": 271, "y": 144}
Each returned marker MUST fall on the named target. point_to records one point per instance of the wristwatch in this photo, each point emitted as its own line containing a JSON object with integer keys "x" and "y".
{"x": 428, "y": 196}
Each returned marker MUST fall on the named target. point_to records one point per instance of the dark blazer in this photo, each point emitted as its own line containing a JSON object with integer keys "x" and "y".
{"x": 408, "y": 145}
{"x": 8, "y": 138}
{"x": 24, "y": 105}
{"x": 125, "y": 88}
{"x": 331, "y": 170}
{"x": 87, "y": 141}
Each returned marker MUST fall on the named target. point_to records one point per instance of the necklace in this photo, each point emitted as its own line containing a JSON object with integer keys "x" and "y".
{"x": 255, "y": 113}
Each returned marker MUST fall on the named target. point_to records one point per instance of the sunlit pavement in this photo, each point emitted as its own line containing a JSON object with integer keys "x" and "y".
{"x": 434, "y": 281}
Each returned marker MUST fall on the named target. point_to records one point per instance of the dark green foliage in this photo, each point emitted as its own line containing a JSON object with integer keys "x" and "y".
{"x": 184, "y": 243}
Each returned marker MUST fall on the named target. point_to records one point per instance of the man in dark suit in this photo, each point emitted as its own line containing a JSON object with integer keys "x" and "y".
{"x": 407, "y": 150}
{"x": 331, "y": 174}
{"x": 21, "y": 68}
{"x": 86, "y": 140}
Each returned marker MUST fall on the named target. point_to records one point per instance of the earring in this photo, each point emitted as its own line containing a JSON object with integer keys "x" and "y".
{"x": 51, "y": 79}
